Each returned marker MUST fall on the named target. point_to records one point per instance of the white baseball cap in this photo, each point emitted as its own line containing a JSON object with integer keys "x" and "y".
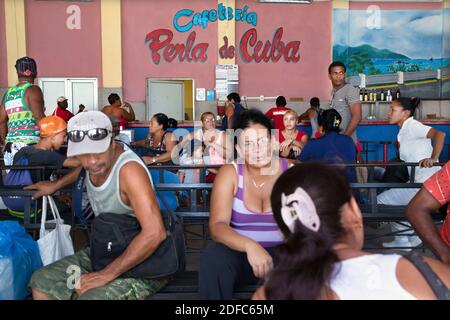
{"x": 61, "y": 99}
{"x": 86, "y": 121}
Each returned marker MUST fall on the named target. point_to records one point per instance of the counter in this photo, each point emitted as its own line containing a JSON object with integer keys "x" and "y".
{"x": 376, "y": 132}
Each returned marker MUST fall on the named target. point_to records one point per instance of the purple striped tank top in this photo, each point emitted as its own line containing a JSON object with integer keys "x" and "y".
{"x": 259, "y": 226}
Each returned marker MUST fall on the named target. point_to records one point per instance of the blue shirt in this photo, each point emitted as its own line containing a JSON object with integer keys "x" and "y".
{"x": 238, "y": 108}
{"x": 331, "y": 148}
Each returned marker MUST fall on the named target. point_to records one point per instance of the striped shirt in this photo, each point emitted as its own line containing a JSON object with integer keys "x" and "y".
{"x": 258, "y": 226}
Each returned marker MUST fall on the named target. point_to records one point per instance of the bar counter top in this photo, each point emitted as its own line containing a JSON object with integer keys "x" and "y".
{"x": 184, "y": 124}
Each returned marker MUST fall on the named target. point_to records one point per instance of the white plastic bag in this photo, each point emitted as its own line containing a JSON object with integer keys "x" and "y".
{"x": 54, "y": 244}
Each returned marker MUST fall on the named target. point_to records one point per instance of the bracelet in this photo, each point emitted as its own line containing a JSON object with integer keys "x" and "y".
{"x": 154, "y": 160}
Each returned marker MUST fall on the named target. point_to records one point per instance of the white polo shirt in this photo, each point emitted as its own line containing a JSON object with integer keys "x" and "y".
{"x": 415, "y": 146}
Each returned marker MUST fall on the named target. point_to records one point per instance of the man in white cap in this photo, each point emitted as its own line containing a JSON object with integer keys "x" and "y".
{"x": 117, "y": 181}
{"x": 61, "y": 109}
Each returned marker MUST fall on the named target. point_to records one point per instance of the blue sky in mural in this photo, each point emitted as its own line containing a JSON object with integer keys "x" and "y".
{"x": 413, "y": 38}
{"x": 416, "y": 34}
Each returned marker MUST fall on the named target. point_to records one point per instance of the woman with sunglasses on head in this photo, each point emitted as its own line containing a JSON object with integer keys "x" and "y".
{"x": 321, "y": 256}
{"x": 241, "y": 221}
{"x": 159, "y": 142}
{"x": 216, "y": 148}
{"x": 417, "y": 143}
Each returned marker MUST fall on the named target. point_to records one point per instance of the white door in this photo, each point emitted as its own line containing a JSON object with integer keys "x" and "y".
{"x": 165, "y": 96}
{"x": 83, "y": 91}
{"x": 52, "y": 89}
{"x": 77, "y": 91}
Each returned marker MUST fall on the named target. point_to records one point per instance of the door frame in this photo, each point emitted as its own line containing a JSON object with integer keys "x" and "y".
{"x": 176, "y": 80}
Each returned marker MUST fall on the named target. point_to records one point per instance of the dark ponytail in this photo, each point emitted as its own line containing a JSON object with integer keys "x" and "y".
{"x": 305, "y": 262}
{"x": 330, "y": 120}
{"x": 410, "y": 104}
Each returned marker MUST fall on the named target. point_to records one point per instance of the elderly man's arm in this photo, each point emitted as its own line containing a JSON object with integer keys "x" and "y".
{"x": 45, "y": 188}
{"x": 419, "y": 212}
{"x": 137, "y": 192}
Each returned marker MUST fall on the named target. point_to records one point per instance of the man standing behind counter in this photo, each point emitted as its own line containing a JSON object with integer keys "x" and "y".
{"x": 345, "y": 99}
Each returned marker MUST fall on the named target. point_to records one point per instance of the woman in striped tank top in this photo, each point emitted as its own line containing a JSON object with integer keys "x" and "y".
{"x": 241, "y": 220}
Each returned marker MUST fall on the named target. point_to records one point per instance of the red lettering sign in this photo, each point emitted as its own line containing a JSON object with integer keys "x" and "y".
{"x": 252, "y": 49}
{"x": 162, "y": 38}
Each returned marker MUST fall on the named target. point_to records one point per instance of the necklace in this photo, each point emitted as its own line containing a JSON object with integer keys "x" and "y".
{"x": 258, "y": 186}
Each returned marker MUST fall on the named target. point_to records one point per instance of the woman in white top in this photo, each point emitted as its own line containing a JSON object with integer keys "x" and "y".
{"x": 415, "y": 140}
{"x": 322, "y": 257}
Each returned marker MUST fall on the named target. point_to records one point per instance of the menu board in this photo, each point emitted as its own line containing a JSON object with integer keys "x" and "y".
{"x": 227, "y": 80}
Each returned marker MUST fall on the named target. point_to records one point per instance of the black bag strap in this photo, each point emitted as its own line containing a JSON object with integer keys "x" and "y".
{"x": 436, "y": 284}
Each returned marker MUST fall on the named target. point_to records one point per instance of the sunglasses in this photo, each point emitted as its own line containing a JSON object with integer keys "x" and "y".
{"x": 93, "y": 134}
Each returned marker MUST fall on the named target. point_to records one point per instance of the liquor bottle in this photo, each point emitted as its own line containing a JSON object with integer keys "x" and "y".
{"x": 361, "y": 94}
{"x": 366, "y": 96}
{"x": 388, "y": 96}
{"x": 397, "y": 94}
{"x": 375, "y": 95}
{"x": 382, "y": 97}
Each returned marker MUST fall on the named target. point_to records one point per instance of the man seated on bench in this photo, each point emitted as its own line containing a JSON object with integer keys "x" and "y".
{"x": 117, "y": 181}
{"x": 434, "y": 193}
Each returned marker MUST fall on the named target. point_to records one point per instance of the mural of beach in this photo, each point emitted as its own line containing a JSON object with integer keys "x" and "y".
{"x": 391, "y": 40}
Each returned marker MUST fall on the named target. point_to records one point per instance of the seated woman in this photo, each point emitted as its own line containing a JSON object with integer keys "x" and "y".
{"x": 241, "y": 221}
{"x": 292, "y": 141}
{"x": 415, "y": 141}
{"x": 332, "y": 147}
{"x": 159, "y": 142}
{"x": 322, "y": 256}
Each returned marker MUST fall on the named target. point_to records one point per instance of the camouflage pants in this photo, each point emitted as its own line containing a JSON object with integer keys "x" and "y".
{"x": 56, "y": 281}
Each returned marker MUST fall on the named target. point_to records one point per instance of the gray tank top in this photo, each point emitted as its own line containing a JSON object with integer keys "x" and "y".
{"x": 106, "y": 198}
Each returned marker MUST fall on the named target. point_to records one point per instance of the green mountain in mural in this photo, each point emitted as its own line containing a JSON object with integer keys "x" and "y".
{"x": 360, "y": 59}
{"x": 342, "y": 53}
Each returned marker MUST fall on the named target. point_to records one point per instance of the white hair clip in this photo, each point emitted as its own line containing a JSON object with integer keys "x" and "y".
{"x": 299, "y": 206}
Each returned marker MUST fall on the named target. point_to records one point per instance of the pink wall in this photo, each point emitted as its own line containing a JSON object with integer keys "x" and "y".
{"x": 306, "y": 78}
{"x": 309, "y": 24}
{"x": 60, "y": 52}
{"x": 139, "y": 17}
{"x": 3, "y": 63}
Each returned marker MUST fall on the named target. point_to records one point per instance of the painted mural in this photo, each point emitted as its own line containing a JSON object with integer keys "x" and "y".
{"x": 383, "y": 42}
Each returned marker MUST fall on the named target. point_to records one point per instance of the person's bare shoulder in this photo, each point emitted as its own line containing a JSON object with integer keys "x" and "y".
{"x": 107, "y": 110}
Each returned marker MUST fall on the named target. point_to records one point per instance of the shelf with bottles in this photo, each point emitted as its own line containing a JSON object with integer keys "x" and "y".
{"x": 372, "y": 95}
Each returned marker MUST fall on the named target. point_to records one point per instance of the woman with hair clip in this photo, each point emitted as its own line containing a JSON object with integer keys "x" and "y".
{"x": 416, "y": 142}
{"x": 322, "y": 256}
